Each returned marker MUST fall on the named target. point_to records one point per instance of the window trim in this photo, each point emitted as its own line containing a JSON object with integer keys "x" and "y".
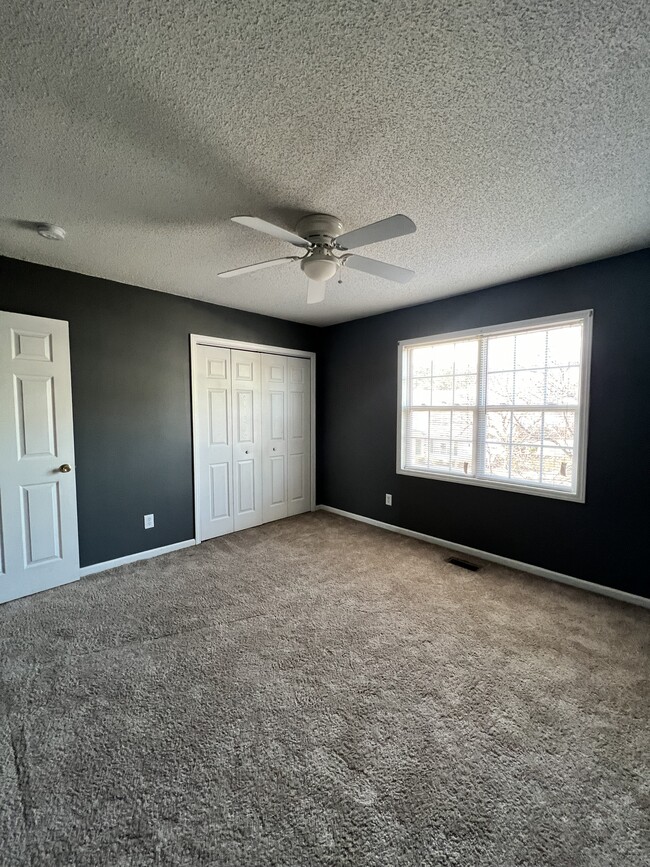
{"x": 577, "y": 496}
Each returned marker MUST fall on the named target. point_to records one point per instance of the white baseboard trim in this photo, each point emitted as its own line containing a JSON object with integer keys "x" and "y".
{"x": 133, "y": 558}
{"x": 612, "y": 592}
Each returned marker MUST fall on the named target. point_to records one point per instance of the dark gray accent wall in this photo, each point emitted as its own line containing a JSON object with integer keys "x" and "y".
{"x": 131, "y": 394}
{"x": 604, "y": 540}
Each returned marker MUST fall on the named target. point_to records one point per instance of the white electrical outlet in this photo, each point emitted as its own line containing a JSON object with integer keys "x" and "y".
{"x": 389, "y": 499}
{"x": 148, "y": 522}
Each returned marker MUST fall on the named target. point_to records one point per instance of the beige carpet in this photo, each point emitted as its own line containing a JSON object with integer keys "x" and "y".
{"x": 319, "y": 692}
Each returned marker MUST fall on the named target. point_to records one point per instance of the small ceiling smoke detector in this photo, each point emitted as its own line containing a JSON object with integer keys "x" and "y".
{"x": 51, "y": 232}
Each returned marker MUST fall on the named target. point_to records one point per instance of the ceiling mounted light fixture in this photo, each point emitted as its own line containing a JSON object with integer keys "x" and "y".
{"x": 50, "y": 231}
{"x": 326, "y": 249}
{"x": 320, "y": 265}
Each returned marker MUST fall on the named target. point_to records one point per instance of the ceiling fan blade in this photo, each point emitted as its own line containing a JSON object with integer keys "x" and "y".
{"x": 315, "y": 292}
{"x": 379, "y": 269}
{"x": 247, "y": 269}
{"x": 272, "y": 229}
{"x": 383, "y": 230}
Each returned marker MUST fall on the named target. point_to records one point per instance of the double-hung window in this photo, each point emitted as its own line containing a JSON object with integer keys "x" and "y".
{"x": 502, "y": 407}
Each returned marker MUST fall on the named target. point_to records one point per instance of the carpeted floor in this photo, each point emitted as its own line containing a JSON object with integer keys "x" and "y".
{"x": 320, "y": 692}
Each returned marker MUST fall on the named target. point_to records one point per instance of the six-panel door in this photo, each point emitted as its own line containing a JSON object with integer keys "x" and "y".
{"x": 247, "y": 439}
{"x": 253, "y": 413}
{"x": 39, "y": 545}
{"x": 275, "y": 451}
{"x": 299, "y": 435}
{"x": 214, "y": 438}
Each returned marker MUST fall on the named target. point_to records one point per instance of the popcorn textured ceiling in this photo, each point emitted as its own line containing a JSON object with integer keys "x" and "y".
{"x": 515, "y": 134}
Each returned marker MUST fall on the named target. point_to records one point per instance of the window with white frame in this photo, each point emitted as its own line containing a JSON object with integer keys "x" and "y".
{"x": 503, "y": 407}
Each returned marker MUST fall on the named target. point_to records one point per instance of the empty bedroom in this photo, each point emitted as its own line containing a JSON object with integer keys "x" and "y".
{"x": 323, "y": 430}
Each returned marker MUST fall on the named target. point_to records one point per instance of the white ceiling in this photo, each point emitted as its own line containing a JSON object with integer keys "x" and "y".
{"x": 514, "y": 134}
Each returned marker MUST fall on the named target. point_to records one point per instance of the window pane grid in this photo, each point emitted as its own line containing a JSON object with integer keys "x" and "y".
{"x": 441, "y": 438}
{"x": 501, "y": 406}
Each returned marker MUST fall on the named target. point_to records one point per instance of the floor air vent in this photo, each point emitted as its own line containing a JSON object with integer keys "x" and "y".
{"x": 456, "y": 561}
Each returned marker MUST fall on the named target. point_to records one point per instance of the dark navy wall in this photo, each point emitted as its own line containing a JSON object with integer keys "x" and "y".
{"x": 131, "y": 394}
{"x": 604, "y": 540}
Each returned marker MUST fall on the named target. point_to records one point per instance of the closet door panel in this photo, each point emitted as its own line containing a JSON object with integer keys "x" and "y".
{"x": 253, "y": 416}
{"x": 247, "y": 439}
{"x": 277, "y": 492}
{"x": 274, "y": 436}
{"x": 299, "y": 434}
{"x": 219, "y": 486}
{"x": 296, "y": 480}
{"x": 214, "y": 405}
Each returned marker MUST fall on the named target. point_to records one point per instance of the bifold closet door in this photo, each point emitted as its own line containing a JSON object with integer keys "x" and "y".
{"x": 299, "y": 435}
{"x": 253, "y": 434}
{"x": 286, "y": 433}
{"x": 214, "y": 439}
{"x": 274, "y": 437}
{"x": 246, "y": 439}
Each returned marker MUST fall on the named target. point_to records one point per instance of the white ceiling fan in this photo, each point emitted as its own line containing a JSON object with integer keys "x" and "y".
{"x": 320, "y": 235}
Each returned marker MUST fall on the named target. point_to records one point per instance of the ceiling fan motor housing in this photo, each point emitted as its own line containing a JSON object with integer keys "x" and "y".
{"x": 320, "y": 229}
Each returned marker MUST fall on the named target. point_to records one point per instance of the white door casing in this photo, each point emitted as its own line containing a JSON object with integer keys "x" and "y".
{"x": 246, "y": 439}
{"x": 213, "y": 440}
{"x": 39, "y": 545}
{"x": 274, "y": 434}
{"x": 298, "y": 430}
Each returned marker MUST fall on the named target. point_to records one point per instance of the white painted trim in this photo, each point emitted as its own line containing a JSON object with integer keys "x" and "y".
{"x": 496, "y": 484}
{"x": 133, "y": 558}
{"x": 506, "y": 327}
{"x": 194, "y": 343}
{"x": 205, "y": 340}
{"x": 312, "y": 421}
{"x": 580, "y": 583}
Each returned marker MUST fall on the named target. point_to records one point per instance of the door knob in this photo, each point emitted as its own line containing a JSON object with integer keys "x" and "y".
{"x": 273, "y": 448}
{"x": 246, "y": 452}
{"x": 65, "y": 468}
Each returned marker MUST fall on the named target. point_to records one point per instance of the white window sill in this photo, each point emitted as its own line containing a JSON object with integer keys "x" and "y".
{"x": 498, "y": 484}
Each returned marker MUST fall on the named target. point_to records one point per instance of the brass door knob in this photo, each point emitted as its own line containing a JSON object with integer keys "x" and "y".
{"x": 65, "y": 468}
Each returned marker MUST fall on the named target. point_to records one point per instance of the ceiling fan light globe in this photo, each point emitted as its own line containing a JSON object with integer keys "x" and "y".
{"x": 319, "y": 268}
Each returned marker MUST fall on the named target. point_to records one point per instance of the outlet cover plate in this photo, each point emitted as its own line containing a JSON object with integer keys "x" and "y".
{"x": 148, "y": 522}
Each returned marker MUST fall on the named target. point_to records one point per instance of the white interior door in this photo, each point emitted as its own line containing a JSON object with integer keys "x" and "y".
{"x": 39, "y": 546}
{"x": 213, "y": 415}
{"x": 299, "y": 435}
{"x": 247, "y": 439}
{"x": 274, "y": 435}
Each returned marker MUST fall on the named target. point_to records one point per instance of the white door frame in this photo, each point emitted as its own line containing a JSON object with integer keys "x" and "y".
{"x": 204, "y": 340}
